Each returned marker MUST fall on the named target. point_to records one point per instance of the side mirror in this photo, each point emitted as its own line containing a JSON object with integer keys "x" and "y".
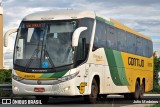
{"x": 76, "y": 35}
{"x": 7, "y": 34}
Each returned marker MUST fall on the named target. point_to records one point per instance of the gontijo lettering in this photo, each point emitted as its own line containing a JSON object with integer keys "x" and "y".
{"x": 135, "y": 62}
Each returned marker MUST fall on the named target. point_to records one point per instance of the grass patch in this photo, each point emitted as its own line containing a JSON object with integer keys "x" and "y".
{"x": 156, "y": 105}
{"x": 152, "y": 92}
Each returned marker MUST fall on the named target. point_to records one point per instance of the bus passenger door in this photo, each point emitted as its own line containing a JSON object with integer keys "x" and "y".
{"x": 95, "y": 70}
{"x": 80, "y": 58}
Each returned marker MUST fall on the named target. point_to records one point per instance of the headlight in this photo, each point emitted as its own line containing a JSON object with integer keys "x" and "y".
{"x": 68, "y": 77}
{"x": 15, "y": 77}
{"x": 15, "y": 88}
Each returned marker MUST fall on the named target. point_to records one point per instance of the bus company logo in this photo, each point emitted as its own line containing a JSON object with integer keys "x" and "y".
{"x": 98, "y": 58}
{"x": 135, "y": 62}
{"x": 39, "y": 82}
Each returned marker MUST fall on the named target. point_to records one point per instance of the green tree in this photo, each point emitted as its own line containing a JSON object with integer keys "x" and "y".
{"x": 5, "y": 76}
{"x": 156, "y": 87}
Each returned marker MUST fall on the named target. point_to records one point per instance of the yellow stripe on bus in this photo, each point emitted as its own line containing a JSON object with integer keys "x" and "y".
{"x": 32, "y": 76}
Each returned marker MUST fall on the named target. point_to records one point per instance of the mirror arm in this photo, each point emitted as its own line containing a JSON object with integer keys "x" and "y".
{"x": 76, "y": 35}
{"x": 7, "y": 34}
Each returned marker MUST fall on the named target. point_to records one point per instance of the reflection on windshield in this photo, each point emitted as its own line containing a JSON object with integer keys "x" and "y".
{"x": 44, "y": 45}
{"x": 59, "y": 47}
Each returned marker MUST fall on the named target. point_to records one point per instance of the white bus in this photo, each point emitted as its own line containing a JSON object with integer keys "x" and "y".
{"x": 79, "y": 53}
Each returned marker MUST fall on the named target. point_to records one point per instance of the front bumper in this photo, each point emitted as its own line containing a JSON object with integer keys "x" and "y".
{"x": 67, "y": 88}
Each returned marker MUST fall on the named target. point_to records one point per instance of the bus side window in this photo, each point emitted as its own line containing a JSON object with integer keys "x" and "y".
{"x": 150, "y": 48}
{"x": 122, "y": 40}
{"x": 100, "y": 36}
{"x": 95, "y": 42}
{"x": 131, "y": 43}
{"x": 111, "y": 42}
{"x": 145, "y": 48}
{"x": 81, "y": 49}
{"x": 139, "y": 43}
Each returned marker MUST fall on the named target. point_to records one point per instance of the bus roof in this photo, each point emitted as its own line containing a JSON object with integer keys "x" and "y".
{"x": 75, "y": 14}
{"x": 59, "y": 15}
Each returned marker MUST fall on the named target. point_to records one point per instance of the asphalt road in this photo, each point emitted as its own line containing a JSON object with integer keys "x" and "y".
{"x": 112, "y": 101}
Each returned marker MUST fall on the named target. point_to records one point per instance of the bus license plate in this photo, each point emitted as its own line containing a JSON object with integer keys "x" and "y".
{"x": 39, "y": 89}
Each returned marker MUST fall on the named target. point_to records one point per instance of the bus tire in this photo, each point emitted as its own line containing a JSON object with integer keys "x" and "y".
{"x": 44, "y": 99}
{"x": 142, "y": 90}
{"x": 92, "y": 98}
{"x": 136, "y": 94}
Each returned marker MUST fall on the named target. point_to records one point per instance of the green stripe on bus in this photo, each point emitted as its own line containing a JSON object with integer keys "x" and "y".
{"x": 59, "y": 74}
{"x": 116, "y": 67}
{"x": 124, "y": 78}
{"x": 46, "y": 75}
{"x": 112, "y": 67}
{"x": 120, "y": 67}
{"x": 104, "y": 20}
{"x": 54, "y": 75}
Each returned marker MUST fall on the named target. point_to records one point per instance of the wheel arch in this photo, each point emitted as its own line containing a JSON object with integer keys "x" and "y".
{"x": 97, "y": 78}
{"x": 139, "y": 80}
{"x": 144, "y": 83}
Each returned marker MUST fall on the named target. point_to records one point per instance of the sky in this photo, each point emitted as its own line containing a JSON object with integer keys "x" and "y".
{"x": 141, "y": 15}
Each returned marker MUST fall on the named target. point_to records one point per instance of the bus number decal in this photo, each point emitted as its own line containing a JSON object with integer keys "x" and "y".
{"x": 149, "y": 64}
{"x": 82, "y": 87}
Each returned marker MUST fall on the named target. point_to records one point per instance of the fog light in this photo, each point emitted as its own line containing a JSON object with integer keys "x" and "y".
{"x": 15, "y": 88}
{"x": 66, "y": 88}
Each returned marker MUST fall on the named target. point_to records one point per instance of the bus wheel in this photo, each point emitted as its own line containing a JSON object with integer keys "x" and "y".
{"x": 92, "y": 98}
{"x": 44, "y": 99}
{"x": 142, "y": 90}
{"x": 137, "y": 90}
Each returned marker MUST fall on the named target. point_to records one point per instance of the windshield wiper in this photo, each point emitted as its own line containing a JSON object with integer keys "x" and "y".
{"x": 49, "y": 59}
{"x": 36, "y": 51}
{"x": 30, "y": 60}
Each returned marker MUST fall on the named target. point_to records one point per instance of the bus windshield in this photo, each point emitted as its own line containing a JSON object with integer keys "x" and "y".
{"x": 44, "y": 44}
